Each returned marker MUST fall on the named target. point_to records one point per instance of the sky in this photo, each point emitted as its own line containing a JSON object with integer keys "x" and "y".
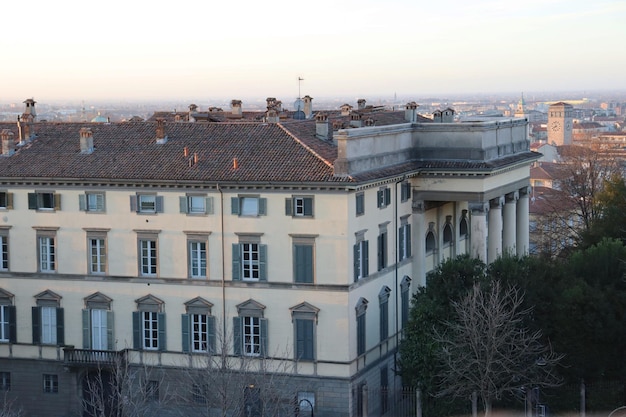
{"x": 129, "y": 50}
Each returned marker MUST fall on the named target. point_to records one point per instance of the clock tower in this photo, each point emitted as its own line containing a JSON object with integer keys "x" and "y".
{"x": 560, "y": 120}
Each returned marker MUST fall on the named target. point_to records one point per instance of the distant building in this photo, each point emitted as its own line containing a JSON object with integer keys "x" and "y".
{"x": 560, "y": 122}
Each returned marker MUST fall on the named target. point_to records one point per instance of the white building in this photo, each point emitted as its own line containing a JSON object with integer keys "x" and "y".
{"x": 301, "y": 241}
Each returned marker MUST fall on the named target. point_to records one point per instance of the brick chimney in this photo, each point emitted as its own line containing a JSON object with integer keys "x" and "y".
{"x": 161, "y": 135}
{"x": 308, "y": 106}
{"x": 322, "y": 130}
{"x": 346, "y": 109}
{"x": 8, "y": 143}
{"x": 86, "y": 140}
{"x": 361, "y": 104}
{"x": 355, "y": 119}
{"x": 410, "y": 112}
{"x": 237, "y": 110}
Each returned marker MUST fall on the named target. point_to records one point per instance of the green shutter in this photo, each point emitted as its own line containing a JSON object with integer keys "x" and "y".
{"x": 380, "y": 252}
{"x": 137, "y": 339}
{"x": 303, "y": 263}
{"x": 185, "y": 327}
{"x": 387, "y": 196}
{"x": 262, "y": 206}
{"x": 211, "y": 331}
{"x": 356, "y": 264}
{"x": 262, "y": 262}
{"x": 236, "y": 262}
{"x": 237, "y": 341}
{"x": 60, "y": 327}
{"x": 32, "y": 201}
{"x": 289, "y": 206}
{"x": 360, "y": 204}
{"x": 86, "y": 329}
{"x": 408, "y": 240}
{"x": 304, "y": 339}
{"x": 366, "y": 258}
{"x": 234, "y": 205}
{"x": 36, "y": 325}
{"x": 82, "y": 202}
{"x": 161, "y": 330}
{"x": 110, "y": 325}
{"x": 264, "y": 336}
{"x": 401, "y": 243}
{"x": 379, "y": 198}
{"x": 12, "y": 324}
{"x": 182, "y": 204}
{"x": 308, "y": 206}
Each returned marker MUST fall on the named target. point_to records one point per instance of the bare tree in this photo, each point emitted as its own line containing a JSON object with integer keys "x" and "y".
{"x": 487, "y": 350}
{"x": 8, "y": 407}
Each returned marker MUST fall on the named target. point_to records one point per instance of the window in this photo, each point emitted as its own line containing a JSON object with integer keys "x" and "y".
{"x": 299, "y": 206}
{"x": 97, "y": 250}
{"x": 382, "y": 250}
{"x": 7, "y": 323}
{"x": 383, "y": 299}
{"x": 41, "y": 200}
{"x": 198, "y": 326}
{"x": 98, "y": 323}
{"x": 303, "y": 259}
{"x": 146, "y": 203}
{"x": 151, "y": 389}
{"x": 249, "y": 260}
{"x": 200, "y": 393}
{"x": 304, "y": 318}
{"x": 383, "y": 197}
{"x": 405, "y": 191}
{"x": 361, "y": 260}
{"x": 250, "y": 330}
{"x": 306, "y": 403}
{"x": 197, "y": 259}
{"x": 463, "y": 229}
{"x": 361, "y": 308}
{"x": 5, "y": 381}
{"x": 360, "y": 204}
{"x": 404, "y": 240}
{"x": 196, "y": 204}
{"x": 404, "y": 300}
{"x": 91, "y": 202}
{"x": 6, "y": 200}
{"x": 249, "y": 206}
{"x": 447, "y": 234}
{"x": 50, "y": 383}
{"x": 148, "y": 255}
{"x": 48, "y": 319}
{"x": 47, "y": 254}
{"x": 430, "y": 242}
{"x": 4, "y": 250}
{"x": 149, "y": 324}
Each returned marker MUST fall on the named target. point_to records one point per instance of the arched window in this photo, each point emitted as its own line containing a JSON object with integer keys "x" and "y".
{"x": 463, "y": 225}
{"x": 447, "y": 234}
{"x": 430, "y": 242}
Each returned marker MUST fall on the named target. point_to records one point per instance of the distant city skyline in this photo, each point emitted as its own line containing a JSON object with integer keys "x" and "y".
{"x": 140, "y": 50}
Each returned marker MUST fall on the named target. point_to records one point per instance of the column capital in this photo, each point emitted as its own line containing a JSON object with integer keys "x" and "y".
{"x": 478, "y": 207}
{"x": 418, "y": 206}
{"x": 512, "y": 197}
{"x": 496, "y": 203}
{"x": 524, "y": 192}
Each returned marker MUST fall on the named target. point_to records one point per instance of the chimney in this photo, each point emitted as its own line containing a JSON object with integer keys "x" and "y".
{"x": 321, "y": 126}
{"x": 355, "y": 119}
{"x": 8, "y": 143}
{"x": 346, "y": 109}
{"x": 361, "y": 103}
{"x": 369, "y": 122}
{"x": 308, "y": 106}
{"x": 161, "y": 136}
{"x": 272, "y": 116}
{"x": 86, "y": 140}
{"x": 438, "y": 116}
{"x": 410, "y": 112}
{"x": 26, "y": 128}
{"x": 448, "y": 116}
{"x": 271, "y": 103}
{"x": 30, "y": 108}
{"x": 237, "y": 110}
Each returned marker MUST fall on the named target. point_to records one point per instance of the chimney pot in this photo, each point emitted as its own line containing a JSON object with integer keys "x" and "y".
{"x": 186, "y": 151}
{"x": 86, "y": 140}
{"x": 161, "y": 135}
{"x": 8, "y": 143}
{"x": 235, "y": 163}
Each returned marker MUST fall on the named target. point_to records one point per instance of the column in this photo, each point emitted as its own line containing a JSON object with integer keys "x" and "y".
{"x": 494, "y": 244}
{"x": 418, "y": 243}
{"x": 509, "y": 232}
{"x": 478, "y": 230}
{"x": 523, "y": 241}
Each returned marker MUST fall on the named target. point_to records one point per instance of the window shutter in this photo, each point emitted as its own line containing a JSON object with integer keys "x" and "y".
{"x": 36, "y": 325}
{"x": 82, "y": 202}
{"x": 234, "y": 205}
{"x": 237, "y": 336}
{"x": 401, "y": 243}
{"x": 262, "y": 262}
{"x": 57, "y": 201}
{"x": 304, "y": 335}
{"x": 209, "y": 205}
{"x": 159, "y": 204}
{"x": 356, "y": 261}
{"x": 137, "y": 342}
{"x": 288, "y": 206}
{"x": 182, "y": 202}
{"x": 60, "y": 327}
{"x": 134, "y": 203}
{"x": 263, "y": 324}
{"x": 303, "y": 268}
{"x": 211, "y": 333}
{"x": 9, "y": 200}
{"x": 236, "y": 262}
{"x": 360, "y": 204}
{"x": 161, "y": 329}
{"x": 308, "y": 206}
{"x": 262, "y": 206}
{"x": 12, "y": 324}
{"x": 366, "y": 258}
{"x": 379, "y": 198}
{"x": 110, "y": 323}
{"x": 408, "y": 240}
{"x": 380, "y": 253}
{"x": 32, "y": 201}
{"x": 184, "y": 325}
{"x": 300, "y": 339}
{"x": 387, "y": 196}
{"x": 86, "y": 329}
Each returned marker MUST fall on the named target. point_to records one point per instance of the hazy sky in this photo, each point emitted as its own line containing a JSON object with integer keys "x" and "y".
{"x": 139, "y": 49}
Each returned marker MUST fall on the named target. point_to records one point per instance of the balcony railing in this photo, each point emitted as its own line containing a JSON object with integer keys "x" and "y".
{"x": 89, "y": 357}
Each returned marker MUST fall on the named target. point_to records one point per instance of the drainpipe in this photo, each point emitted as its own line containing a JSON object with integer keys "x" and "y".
{"x": 223, "y": 266}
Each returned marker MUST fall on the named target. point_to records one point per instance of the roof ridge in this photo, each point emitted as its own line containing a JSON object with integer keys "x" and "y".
{"x": 305, "y": 146}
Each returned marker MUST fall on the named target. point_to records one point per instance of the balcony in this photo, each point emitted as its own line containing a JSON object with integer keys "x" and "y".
{"x": 88, "y": 357}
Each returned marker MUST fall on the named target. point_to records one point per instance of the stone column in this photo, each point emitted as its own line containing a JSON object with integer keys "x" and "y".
{"x": 523, "y": 241}
{"x": 509, "y": 233}
{"x": 418, "y": 242}
{"x": 478, "y": 230}
{"x": 494, "y": 245}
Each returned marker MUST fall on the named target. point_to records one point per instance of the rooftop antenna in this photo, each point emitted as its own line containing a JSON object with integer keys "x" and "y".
{"x": 299, "y": 104}
{"x": 299, "y": 80}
